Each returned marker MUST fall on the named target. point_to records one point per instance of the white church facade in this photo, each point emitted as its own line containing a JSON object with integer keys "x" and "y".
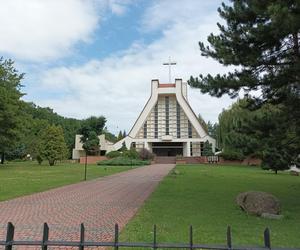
{"x": 167, "y": 125}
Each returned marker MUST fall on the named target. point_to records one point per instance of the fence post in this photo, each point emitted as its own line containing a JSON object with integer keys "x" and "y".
{"x": 267, "y": 238}
{"x": 82, "y": 229}
{"x": 116, "y": 236}
{"x": 229, "y": 242}
{"x": 191, "y": 237}
{"x": 45, "y": 237}
{"x": 9, "y": 236}
{"x": 154, "y": 237}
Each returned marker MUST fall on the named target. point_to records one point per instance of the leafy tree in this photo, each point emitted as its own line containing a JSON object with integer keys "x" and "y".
{"x": 212, "y": 129}
{"x": 39, "y": 115}
{"x": 207, "y": 149}
{"x": 10, "y": 115}
{"x": 92, "y": 123}
{"x": 52, "y": 145}
{"x": 90, "y": 129}
{"x": 109, "y": 136}
{"x": 257, "y": 133}
{"x": 261, "y": 40}
{"x": 90, "y": 143}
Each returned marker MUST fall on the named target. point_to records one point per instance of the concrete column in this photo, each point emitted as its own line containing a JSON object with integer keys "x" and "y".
{"x": 147, "y": 146}
{"x": 188, "y": 147}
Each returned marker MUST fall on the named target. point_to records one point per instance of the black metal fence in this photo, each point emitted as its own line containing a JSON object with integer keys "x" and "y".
{"x": 44, "y": 243}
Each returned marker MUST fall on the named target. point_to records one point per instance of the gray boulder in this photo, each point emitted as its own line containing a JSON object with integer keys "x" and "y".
{"x": 257, "y": 203}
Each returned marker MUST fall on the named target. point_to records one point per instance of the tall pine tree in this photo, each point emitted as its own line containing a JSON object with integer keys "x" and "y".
{"x": 261, "y": 39}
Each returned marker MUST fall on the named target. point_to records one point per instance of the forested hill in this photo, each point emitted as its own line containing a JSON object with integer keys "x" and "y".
{"x": 41, "y": 115}
{"x": 24, "y": 125}
{"x": 35, "y": 119}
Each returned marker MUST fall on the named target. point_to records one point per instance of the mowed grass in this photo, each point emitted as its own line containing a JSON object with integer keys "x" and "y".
{"x": 22, "y": 178}
{"x": 204, "y": 196}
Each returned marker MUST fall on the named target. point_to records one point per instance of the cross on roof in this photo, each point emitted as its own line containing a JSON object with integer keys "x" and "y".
{"x": 169, "y": 63}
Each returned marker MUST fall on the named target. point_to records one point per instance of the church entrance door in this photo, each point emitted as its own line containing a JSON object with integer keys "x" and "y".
{"x": 167, "y": 148}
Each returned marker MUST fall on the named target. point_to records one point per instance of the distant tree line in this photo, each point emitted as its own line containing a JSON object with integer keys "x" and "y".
{"x": 27, "y": 129}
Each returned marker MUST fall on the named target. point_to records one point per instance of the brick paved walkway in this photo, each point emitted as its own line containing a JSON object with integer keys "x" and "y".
{"x": 99, "y": 204}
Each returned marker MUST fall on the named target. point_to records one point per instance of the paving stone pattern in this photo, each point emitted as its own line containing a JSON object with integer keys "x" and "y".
{"x": 99, "y": 204}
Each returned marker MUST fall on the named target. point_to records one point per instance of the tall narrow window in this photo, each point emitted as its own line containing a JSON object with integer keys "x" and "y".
{"x": 156, "y": 121}
{"x": 201, "y": 147}
{"x": 190, "y": 131}
{"x": 145, "y": 129}
{"x": 191, "y": 147}
{"x": 167, "y": 103}
{"x": 178, "y": 119}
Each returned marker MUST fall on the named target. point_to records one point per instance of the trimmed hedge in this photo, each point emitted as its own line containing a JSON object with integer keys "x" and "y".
{"x": 123, "y": 161}
{"x": 113, "y": 154}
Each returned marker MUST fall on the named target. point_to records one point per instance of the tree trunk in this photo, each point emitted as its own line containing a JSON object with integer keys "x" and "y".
{"x": 2, "y": 158}
{"x": 51, "y": 162}
{"x": 276, "y": 171}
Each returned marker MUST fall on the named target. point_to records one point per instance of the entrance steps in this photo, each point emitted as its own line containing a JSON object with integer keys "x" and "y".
{"x": 165, "y": 159}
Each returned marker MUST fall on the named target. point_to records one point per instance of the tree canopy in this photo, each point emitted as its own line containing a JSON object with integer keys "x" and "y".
{"x": 10, "y": 105}
{"x": 22, "y": 124}
{"x": 260, "y": 39}
{"x": 90, "y": 129}
{"x": 52, "y": 145}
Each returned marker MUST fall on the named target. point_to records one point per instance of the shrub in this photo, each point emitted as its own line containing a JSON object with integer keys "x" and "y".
{"x": 232, "y": 155}
{"x": 145, "y": 154}
{"x": 123, "y": 161}
{"x": 113, "y": 154}
{"x": 132, "y": 154}
{"x": 39, "y": 159}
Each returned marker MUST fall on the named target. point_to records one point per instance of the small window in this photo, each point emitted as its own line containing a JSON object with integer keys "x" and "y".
{"x": 178, "y": 119}
{"x": 167, "y": 114}
{"x": 190, "y": 131}
{"x": 201, "y": 147}
{"x": 156, "y": 121}
{"x": 145, "y": 130}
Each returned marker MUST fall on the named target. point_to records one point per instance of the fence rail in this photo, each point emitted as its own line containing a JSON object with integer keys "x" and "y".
{"x": 81, "y": 244}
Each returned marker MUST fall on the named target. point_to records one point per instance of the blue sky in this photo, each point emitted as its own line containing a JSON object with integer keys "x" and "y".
{"x": 97, "y": 57}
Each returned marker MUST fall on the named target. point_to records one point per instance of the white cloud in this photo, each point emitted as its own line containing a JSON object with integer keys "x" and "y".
{"x": 119, "y": 7}
{"x": 166, "y": 13}
{"x": 42, "y": 30}
{"x": 118, "y": 86}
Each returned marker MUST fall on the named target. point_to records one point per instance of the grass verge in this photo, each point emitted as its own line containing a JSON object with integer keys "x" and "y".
{"x": 204, "y": 196}
{"x": 22, "y": 178}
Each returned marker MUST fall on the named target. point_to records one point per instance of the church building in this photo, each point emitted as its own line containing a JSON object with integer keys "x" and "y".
{"x": 167, "y": 126}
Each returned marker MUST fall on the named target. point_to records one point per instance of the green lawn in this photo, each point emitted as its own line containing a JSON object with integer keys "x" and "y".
{"x": 21, "y": 178}
{"x": 204, "y": 196}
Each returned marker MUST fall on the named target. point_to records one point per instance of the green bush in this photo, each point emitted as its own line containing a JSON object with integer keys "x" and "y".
{"x": 123, "y": 161}
{"x": 145, "y": 154}
{"x": 232, "y": 155}
{"x": 113, "y": 154}
{"x": 132, "y": 154}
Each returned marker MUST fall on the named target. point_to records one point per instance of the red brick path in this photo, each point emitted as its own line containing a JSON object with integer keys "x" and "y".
{"x": 99, "y": 204}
